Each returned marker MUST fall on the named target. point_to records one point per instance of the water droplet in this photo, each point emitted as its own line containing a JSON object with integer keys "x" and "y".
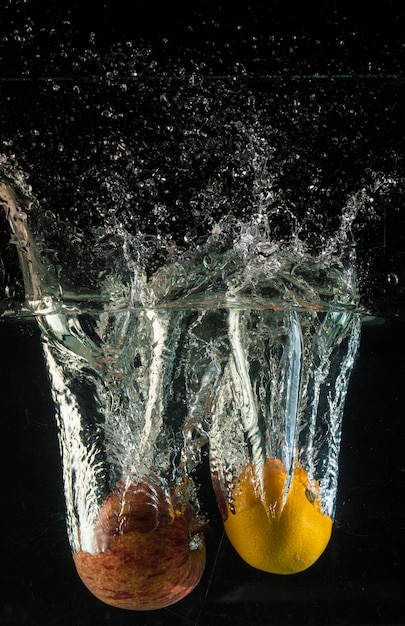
{"x": 393, "y": 278}
{"x": 266, "y": 248}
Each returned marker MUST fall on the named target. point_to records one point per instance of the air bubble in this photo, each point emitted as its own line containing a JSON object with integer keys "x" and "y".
{"x": 393, "y": 278}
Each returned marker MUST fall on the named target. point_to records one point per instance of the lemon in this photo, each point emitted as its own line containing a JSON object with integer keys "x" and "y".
{"x": 270, "y": 536}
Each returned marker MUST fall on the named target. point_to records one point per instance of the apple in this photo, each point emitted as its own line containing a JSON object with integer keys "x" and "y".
{"x": 150, "y": 549}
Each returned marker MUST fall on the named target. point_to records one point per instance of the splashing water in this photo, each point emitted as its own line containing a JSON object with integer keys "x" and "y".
{"x": 187, "y": 304}
{"x": 249, "y": 345}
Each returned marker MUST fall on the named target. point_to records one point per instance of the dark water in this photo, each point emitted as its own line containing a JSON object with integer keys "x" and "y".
{"x": 358, "y": 579}
{"x": 173, "y": 148}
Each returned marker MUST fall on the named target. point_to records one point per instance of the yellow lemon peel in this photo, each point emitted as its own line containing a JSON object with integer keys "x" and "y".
{"x": 270, "y": 536}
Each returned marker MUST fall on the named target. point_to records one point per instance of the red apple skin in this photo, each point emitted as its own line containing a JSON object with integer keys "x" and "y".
{"x": 150, "y": 556}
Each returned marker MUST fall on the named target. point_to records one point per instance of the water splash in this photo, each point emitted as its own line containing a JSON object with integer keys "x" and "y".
{"x": 185, "y": 299}
{"x": 249, "y": 343}
{"x": 282, "y": 396}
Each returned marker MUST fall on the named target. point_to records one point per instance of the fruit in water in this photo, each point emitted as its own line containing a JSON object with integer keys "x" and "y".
{"x": 277, "y": 538}
{"x": 151, "y": 552}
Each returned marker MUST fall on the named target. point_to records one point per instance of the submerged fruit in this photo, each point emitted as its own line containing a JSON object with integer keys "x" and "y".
{"x": 149, "y": 557}
{"x": 272, "y": 537}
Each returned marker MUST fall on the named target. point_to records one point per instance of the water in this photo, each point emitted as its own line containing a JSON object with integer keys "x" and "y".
{"x": 198, "y": 230}
{"x": 144, "y": 390}
{"x": 194, "y": 271}
{"x": 282, "y": 394}
{"x": 242, "y": 345}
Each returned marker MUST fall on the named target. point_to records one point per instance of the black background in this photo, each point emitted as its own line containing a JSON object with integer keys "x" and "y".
{"x": 357, "y": 52}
